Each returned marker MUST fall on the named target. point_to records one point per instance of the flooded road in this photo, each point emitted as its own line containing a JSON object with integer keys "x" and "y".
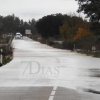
{"x": 82, "y": 72}
{"x": 36, "y": 64}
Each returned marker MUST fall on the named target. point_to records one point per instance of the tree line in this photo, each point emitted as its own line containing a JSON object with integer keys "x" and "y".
{"x": 13, "y": 24}
{"x": 65, "y": 26}
{"x": 91, "y": 8}
{"x": 71, "y": 29}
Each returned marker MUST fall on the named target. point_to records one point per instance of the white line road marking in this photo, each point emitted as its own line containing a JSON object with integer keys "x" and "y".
{"x": 53, "y": 93}
{"x": 51, "y": 97}
{"x": 55, "y": 88}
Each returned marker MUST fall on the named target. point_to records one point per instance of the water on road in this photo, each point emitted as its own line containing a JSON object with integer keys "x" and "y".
{"x": 36, "y": 64}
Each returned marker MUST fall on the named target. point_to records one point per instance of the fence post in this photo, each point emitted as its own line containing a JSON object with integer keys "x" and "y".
{"x": 74, "y": 47}
{"x": 1, "y": 57}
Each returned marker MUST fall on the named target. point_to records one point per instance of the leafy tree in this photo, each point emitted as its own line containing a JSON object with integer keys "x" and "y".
{"x": 92, "y": 9}
{"x": 8, "y": 23}
{"x": 12, "y": 24}
{"x": 70, "y": 27}
{"x": 32, "y": 24}
{"x": 82, "y": 33}
{"x": 1, "y": 27}
{"x": 48, "y": 26}
{"x": 73, "y": 20}
{"x": 67, "y": 32}
{"x": 17, "y": 24}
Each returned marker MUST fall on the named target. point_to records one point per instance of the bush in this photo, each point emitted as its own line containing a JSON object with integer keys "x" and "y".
{"x": 68, "y": 45}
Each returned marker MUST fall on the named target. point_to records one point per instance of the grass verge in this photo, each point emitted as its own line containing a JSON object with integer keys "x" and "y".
{"x": 93, "y": 53}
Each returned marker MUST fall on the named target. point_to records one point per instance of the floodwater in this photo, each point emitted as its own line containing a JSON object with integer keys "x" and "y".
{"x": 36, "y": 64}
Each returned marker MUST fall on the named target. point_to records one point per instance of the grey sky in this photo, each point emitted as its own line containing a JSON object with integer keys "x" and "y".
{"x": 28, "y": 9}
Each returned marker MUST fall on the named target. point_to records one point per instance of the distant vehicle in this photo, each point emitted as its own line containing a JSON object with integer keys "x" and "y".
{"x": 18, "y": 35}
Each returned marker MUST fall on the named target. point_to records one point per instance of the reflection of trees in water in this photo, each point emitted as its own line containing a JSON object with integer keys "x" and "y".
{"x": 94, "y": 72}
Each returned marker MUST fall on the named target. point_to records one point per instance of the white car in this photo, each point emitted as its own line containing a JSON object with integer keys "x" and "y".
{"x": 18, "y": 36}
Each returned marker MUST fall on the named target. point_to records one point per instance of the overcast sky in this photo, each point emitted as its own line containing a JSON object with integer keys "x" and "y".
{"x": 28, "y": 9}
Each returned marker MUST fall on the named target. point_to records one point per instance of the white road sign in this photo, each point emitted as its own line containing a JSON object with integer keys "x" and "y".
{"x": 27, "y": 31}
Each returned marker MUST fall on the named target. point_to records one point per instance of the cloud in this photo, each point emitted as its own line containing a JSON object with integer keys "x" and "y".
{"x": 27, "y": 9}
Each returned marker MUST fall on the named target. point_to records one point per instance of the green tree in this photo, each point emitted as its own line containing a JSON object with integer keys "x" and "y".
{"x": 48, "y": 26}
{"x": 71, "y": 24}
{"x": 92, "y": 9}
{"x": 67, "y": 32}
{"x": 82, "y": 33}
{"x": 32, "y": 24}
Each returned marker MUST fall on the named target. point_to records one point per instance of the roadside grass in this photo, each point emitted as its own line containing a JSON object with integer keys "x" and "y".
{"x": 7, "y": 53}
{"x": 7, "y": 58}
{"x": 91, "y": 53}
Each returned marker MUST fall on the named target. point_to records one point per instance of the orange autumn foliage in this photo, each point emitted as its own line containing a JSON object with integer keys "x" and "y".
{"x": 82, "y": 33}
